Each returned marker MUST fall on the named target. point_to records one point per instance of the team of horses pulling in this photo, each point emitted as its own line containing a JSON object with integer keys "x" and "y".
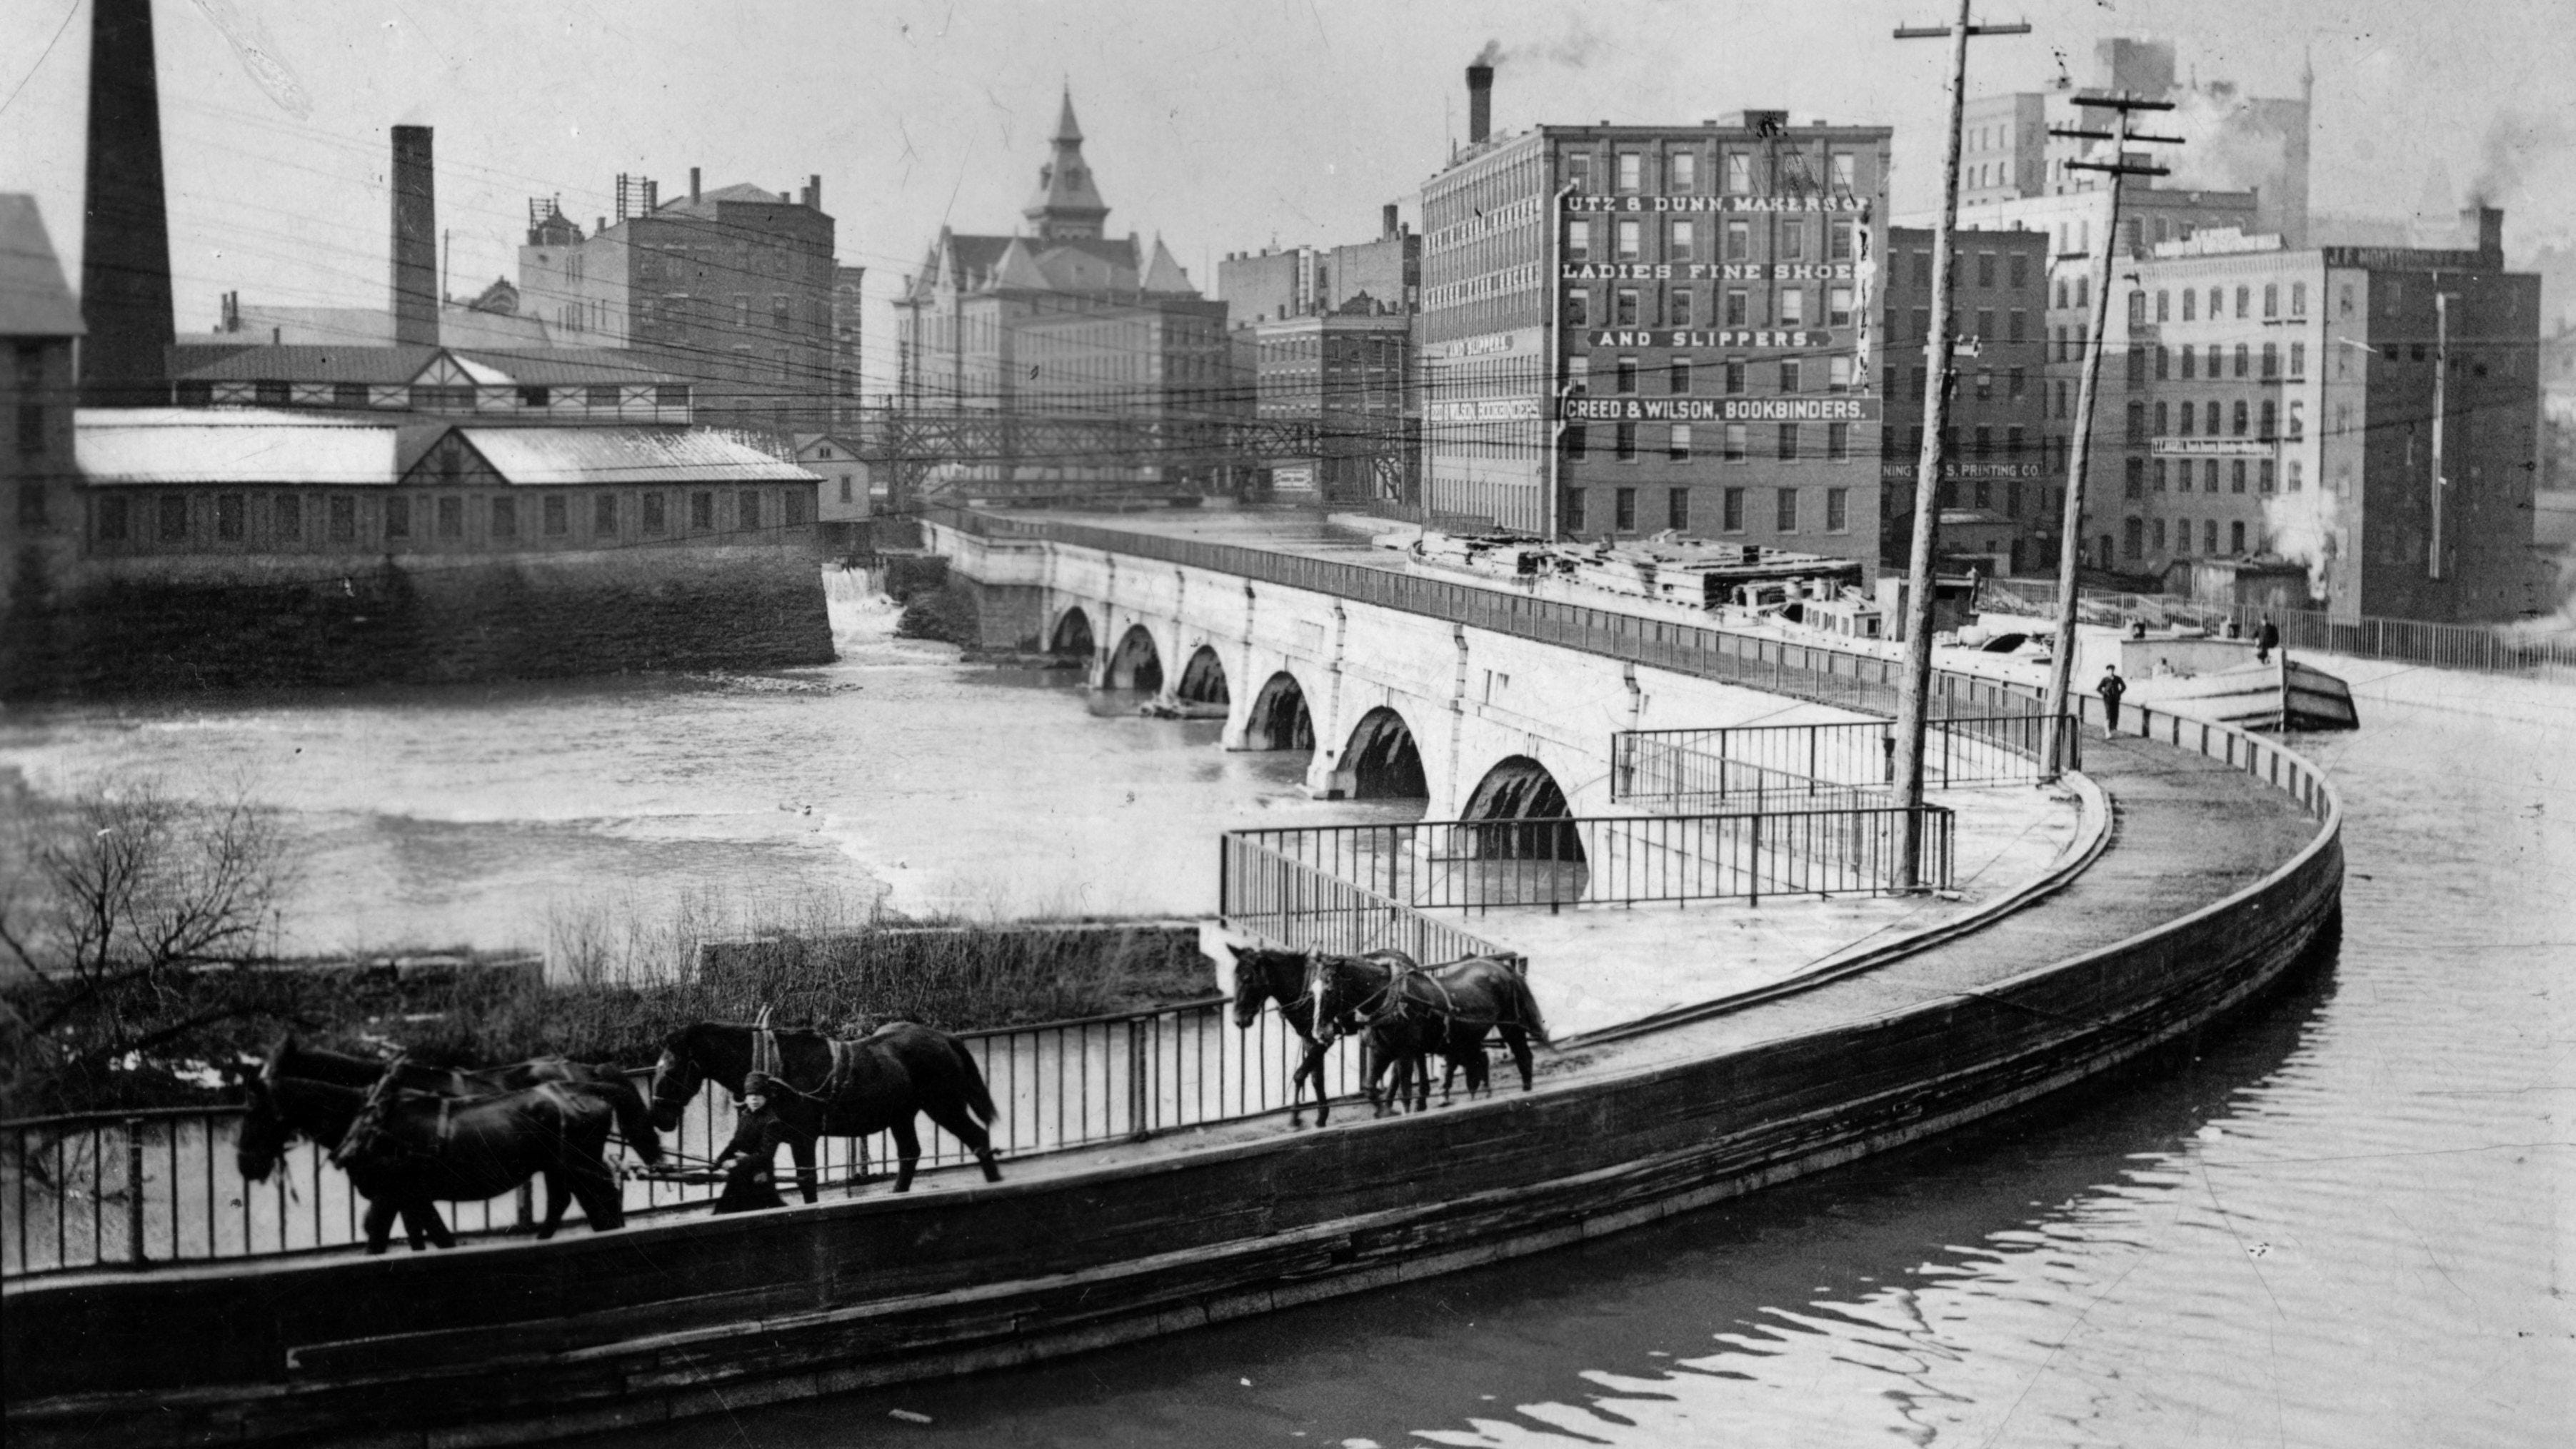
{"x": 411, "y": 1136}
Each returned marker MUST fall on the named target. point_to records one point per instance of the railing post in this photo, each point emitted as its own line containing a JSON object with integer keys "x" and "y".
{"x": 1139, "y": 1130}
{"x": 134, "y": 1254}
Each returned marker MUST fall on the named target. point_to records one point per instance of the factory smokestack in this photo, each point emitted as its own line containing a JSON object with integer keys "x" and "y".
{"x": 1480, "y": 103}
{"x": 125, "y": 234}
{"x": 415, "y": 276}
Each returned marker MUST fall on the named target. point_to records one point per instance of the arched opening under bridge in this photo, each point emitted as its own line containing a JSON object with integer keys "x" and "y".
{"x": 1137, "y": 665}
{"x": 1279, "y": 720}
{"x": 1381, "y": 762}
{"x": 1072, "y": 637}
{"x": 1522, "y": 815}
{"x": 1203, "y": 679}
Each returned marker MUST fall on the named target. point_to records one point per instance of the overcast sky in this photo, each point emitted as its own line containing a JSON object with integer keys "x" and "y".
{"x": 1222, "y": 126}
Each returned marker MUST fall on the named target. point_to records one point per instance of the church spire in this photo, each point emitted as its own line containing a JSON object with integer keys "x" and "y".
{"x": 1067, "y": 206}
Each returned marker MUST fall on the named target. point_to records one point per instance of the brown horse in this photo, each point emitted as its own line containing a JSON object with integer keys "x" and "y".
{"x": 276, "y": 1110}
{"x": 291, "y": 1058}
{"x": 1264, "y": 974}
{"x": 837, "y": 1088}
{"x": 1409, "y": 1015}
{"x": 405, "y": 1149}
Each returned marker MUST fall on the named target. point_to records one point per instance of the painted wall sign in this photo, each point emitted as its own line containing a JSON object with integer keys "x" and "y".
{"x": 1720, "y": 409}
{"x": 1716, "y": 203}
{"x": 1687, "y": 337}
{"x": 1707, "y": 271}
{"x": 1894, "y": 471}
{"x": 2212, "y": 448}
{"x": 1486, "y": 410}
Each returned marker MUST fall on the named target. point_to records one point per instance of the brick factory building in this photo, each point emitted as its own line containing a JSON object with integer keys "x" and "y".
{"x": 1634, "y": 328}
{"x": 1998, "y": 496}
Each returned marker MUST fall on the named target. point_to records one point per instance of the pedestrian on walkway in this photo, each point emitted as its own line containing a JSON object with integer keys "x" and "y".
{"x": 2266, "y": 639}
{"x": 750, "y": 1161}
{"x": 2111, "y": 688}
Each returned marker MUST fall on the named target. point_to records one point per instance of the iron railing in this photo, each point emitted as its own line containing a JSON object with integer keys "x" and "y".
{"x": 1328, "y": 874}
{"x": 2490, "y": 647}
{"x": 1828, "y": 765}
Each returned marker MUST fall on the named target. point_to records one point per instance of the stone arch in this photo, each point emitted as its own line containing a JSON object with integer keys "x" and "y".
{"x": 1137, "y": 664}
{"x": 1203, "y": 679}
{"x": 1072, "y": 635}
{"x": 1279, "y": 719}
{"x": 1381, "y": 761}
{"x": 1530, "y": 817}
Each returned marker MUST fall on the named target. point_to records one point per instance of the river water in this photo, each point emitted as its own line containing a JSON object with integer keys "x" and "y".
{"x": 2350, "y": 1220}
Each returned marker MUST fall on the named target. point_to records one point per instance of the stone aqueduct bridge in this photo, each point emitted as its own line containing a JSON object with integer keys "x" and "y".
{"x": 1393, "y": 703}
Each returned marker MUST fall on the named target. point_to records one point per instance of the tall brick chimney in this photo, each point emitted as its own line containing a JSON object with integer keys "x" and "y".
{"x": 2483, "y": 227}
{"x": 1480, "y": 103}
{"x": 415, "y": 239}
{"x": 125, "y": 233}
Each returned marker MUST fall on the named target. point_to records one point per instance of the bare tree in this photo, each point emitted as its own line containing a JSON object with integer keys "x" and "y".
{"x": 113, "y": 903}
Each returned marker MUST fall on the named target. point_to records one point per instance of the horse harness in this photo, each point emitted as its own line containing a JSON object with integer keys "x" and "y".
{"x": 771, "y": 1062}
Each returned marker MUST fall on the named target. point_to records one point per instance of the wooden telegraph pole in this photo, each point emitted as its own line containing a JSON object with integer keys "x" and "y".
{"x": 1915, "y": 688}
{"x": 2061, "y": 663}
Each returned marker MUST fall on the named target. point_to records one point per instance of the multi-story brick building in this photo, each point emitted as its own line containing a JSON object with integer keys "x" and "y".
{"x": 1096, "y": 362}
{"x": 2264, "y": 401}
{"x": 1995, "y": 485}
{"x": 733, "y": 289}
{"x": 1634, "y": 328}
{"x": 1340, "y": 382}
{"x": 40, "y": 324}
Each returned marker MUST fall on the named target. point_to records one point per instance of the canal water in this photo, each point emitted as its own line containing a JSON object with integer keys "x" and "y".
{"x": 2347, "y": 1221}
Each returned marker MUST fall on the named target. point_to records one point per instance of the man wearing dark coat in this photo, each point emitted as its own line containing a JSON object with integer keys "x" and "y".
{"x": 2111, "y": 688}
{"x": 751, "y": 1183}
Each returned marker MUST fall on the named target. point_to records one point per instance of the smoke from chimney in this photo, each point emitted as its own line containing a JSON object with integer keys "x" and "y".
{"x": 125, "y": 238}
{"x": 1480, "y": 101}
{"x": 415, "y": 239}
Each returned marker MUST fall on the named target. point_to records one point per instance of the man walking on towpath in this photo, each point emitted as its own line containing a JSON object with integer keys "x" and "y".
{"x": 2266, "y": 639}
{"x": 2111, "y": 688}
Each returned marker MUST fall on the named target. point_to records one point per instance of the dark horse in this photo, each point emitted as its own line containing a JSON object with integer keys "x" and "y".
{"x": 1409, "y": 1015}
{"x": 406, "y": 1149}
{"x": 1264, "y": 974}
{"x": 277, "y": 1110}
{"x": 291, "y": 1058}
{"x": 837, "y": 1088}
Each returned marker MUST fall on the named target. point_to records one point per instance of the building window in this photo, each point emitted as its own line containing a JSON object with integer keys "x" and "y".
{"x": 1623, "y": 442}
{"x": 1986, "y": 269}
{"x": 2239, "y": 416}
{"x": 505, "y": 518}
{"x": 1578, "y": 309}
{"x": 2190, "y": 305}
{"x": 1626, "y": 375}
{"x": 1631, "y": 239}
{"x": 2271, "y": 419}
{"x": 2236, "y": 476}
{"x": 600, "y": 395}
{"x": 2016, "y": 382}
{"x": 792, "y": 508}
{"x": 534, "y": 397}
{"x": 1736, "y": 307}
{"x": 1838, "y": 307}
{"x": 1739, "y": 173}
{"x": 2265, "y": 480}
{"x": 2209, "y": 479}
{"x": 557, "y": 519}
{"x": 2298, "y": 418}
{"x": 2186, "y": 413}
{"x": 1632, "y": 170}
{"x": 1837, "y": 510}
{"x": 2161, "y": 479}
{"x": 348, "y": 394}
{"x": 1677, "y": 307}
{"x": 1838, "y": 373}
{"x": 1846, "y": 174}
{"x": 1837, "y": 441}
{"x": 2164, "y": 363}
{"x": 1985, "y": 440}
{"x": 2244, "y": 303}
{"x": 1736, "y": 445}
{"x": 1623, "y": 509}
{"x": 1573, "y": 521}
{"x": 1677, "y": 508}
{"x": 2137, "y": 480}
{"x": 2297, "y": 478}
{"x": 603, "y": 515}
{"x": 747, "y": 510}
{"x": 344, "y": 519}
{"x": 2190, "y": 361}
{"x": 286, "y": 516}
{"x": 1678, "y": 446}
{"x": 2236, "y": 537}
{"x": 271, "y": 393}
{"x": 652, "y": 520}
{"x": 2157, "y": 528}
{"x": 1578, "y": 240}
{"x": 228, "y": 517}
{"x": 2298, "y": 360}
{"x": 1678, "y": 248}
{"x": 1790, "y": 372}
{"x": 1793, "y": 306}
{"x": 1578, "y": 171}
{"x": 1784, "y": 510}
{"x": 2164, "y": 300}
{"x": 397, "y": 517}
{"x": 1679, "y": 376}
{"x": 2137, "y": 422}
{"x": 2013, "y": 442}
{"x": 702, "y": 511}
{"x": 1792, "y": 240}
{"x": 2182, "y": 537}
{"x": 2271, "y": 299}
{"x": 111, "y": 519}
{"x": 1731, "y": 510}
{"x": 2211, "y": 413}
{"x": 1739, "y": 241}
{"x": 1574, "y": 442}
{"x": 1734, "y": 375}
{"x": 1682, "y": 167}
{"x": 451, "y": 518}
{"x": 2244, "y": 358}
{"x": 1788, "y": 442}
{"x": 2133, "y": 533}
{"x": 2298, "y": 299}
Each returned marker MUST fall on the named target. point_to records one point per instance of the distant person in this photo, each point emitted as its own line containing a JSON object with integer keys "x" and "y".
{"x": 2266, "y": 639}
{"x": 2137, "y": 628}
{"x": 751, "y": 1184}
{"x": 2111, "y": 688}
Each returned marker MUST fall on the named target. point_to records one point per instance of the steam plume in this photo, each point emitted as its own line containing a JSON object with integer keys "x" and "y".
{"x": 2515, "y": 140}
{"x": 1574, "y": 49}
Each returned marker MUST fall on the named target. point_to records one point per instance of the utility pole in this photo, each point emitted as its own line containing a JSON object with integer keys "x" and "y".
{"x": 2441, "y": 408}
{"x": 1914, "y": 690}
{"x": 2070, "y": 550}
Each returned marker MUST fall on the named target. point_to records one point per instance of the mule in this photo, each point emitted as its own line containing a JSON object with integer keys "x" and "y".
{"x": 405, "y": 1149}
{"x": 831, "y": 1087}
{"x": 1264, "y": 974}
{"x": 291, "y": 1058}
{"x": 278, "y": 1109}
{"x": 1409, "y": 1015}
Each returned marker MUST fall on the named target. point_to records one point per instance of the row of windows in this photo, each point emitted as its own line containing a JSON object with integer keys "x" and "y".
{"x": 2175, "y": 475}
{"x": 334, "y": 518}
{"x": 1682, "y": 236}
{"x": 1980, "y": 384}
{"x": 2185, "y": 362}
{"x": 2191, "y": 302}
{"x": 2175, "y": 420}
{"x": 2136, "y": 534}
{"x": 436, "y": 397}
{"x": 1791, "y": 441}
{"x": 1738, "y": 171}
{"x": 1676, "y": 306}
{"x": 1786, "y": 510}
{"x": 1680, "y": 374}
{"x": 1989, "y": 269}
{"x": 2016, "y": 326}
